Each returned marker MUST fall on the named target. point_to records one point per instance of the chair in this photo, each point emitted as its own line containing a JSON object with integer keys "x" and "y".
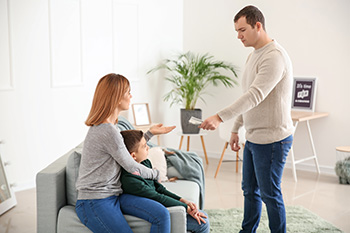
{"x": 225, "y": 134}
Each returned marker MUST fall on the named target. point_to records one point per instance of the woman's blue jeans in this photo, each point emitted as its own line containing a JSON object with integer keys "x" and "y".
{"x": 263, "y": 166}
{"x": 106, "y": 215}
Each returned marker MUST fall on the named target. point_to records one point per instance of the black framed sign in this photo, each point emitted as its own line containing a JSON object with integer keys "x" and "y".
{"x": 304, "y": 94}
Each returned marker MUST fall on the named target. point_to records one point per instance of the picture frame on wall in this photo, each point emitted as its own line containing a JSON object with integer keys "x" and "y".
{"x": 141, "y": 114}
{"x": 304, "y": 94}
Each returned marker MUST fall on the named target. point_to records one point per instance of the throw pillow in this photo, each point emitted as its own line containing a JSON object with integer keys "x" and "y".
{"x": 157, "y": 158}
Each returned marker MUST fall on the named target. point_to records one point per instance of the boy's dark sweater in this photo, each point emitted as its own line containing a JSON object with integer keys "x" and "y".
{"x": 152, "y": 189}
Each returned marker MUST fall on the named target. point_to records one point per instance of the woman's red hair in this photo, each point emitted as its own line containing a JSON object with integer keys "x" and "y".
{"x": 109, "y": 92}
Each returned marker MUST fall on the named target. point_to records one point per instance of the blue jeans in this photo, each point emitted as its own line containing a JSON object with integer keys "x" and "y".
{"x": 263, "y": 166}
{"x": 106, "y": 215}
{"x": 193, "y": 226}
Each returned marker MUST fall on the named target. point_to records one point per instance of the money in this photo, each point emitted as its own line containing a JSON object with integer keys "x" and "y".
{"x": 195, "y": 121}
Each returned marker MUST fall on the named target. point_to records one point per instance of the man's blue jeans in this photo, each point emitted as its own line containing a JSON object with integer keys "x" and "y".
{"x": 263, "y": 166}
{"x": 106, "y": 215}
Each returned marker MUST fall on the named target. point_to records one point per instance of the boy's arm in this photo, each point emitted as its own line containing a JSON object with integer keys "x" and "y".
{"x": 135, "y": 185}
{"x": 161, "y": 189}
{"x": 158, "y": 186}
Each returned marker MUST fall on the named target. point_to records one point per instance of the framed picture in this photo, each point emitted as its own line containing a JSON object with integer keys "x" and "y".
{"x": 141, "y": 114}
{"x": 304, "y": 94}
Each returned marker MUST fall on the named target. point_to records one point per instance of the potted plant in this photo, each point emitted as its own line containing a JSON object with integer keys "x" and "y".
{"x": 191, "y": 74}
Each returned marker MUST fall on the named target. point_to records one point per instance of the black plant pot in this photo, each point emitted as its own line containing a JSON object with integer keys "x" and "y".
{"x": 188, "y": 128}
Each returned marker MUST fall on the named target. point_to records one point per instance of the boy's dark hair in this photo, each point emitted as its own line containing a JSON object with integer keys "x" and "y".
{"x": 132, "y": 139}
{"x": 252, "y": 15}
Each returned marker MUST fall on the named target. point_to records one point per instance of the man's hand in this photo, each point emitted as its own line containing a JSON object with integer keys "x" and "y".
{"x": 211, "y": 123}
{"x": 234, "y": 142}
{"x": 160, "y": 129}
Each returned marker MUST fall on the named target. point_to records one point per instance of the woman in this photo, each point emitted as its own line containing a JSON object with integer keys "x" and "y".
{"x": 101, "y": 204}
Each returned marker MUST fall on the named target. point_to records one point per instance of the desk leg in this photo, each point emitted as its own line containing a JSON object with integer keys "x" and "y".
{"x": 182, "y": 138}
{"x": 313, "y": 147}
{"x": 188, "y": 143}
{"x": 293, "y": 158}
{"x": 293, "y": 165}
{"x": 205, "y": 151}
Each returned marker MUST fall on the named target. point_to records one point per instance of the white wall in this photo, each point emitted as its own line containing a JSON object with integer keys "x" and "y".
{"x": 51, "y": 60}
{"x": 53, "y": 52}
{"x": 315, "y": 36}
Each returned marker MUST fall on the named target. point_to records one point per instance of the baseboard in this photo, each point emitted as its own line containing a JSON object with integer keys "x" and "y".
{"x": 23, "y": 186}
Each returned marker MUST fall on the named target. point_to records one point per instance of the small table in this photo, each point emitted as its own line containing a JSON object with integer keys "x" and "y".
{"x": 188, "y": 142}
{"x": 298, "y": 116}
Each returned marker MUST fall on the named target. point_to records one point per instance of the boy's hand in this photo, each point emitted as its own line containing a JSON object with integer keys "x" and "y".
{"x": 189, "y": 204}
{"x": 199, "y": 216}
{"x": 160, "y": 129}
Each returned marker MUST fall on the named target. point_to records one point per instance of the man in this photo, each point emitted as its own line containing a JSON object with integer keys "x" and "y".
{"x": 264, "y": 110}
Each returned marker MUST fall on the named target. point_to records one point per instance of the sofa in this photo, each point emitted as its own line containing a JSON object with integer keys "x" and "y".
{"x": 56, "y": 198}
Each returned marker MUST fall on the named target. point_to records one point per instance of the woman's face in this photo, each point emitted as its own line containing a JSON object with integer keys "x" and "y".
{"x": 125, "y": 101}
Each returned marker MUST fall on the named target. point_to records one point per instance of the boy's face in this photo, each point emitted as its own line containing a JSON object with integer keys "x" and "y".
{"x": 142, "y": 151}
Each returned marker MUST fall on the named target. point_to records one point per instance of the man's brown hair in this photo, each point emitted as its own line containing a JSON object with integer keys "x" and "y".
{"x": 109, "y": 92}
{"x": 132, "y": 139}
{"x": 252, "y": 15}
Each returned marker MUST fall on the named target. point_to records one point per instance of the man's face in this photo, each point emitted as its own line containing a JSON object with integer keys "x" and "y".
{"x": 248, "y": 35}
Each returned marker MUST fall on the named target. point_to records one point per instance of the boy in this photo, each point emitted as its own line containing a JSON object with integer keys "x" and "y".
{"x": 136, "y": 185}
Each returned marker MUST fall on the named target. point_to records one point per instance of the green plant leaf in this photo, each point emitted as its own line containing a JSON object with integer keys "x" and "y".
{"x": 190, "y": 74}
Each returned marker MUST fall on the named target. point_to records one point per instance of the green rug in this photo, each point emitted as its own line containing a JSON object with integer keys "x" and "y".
{"x": 299, "y": 219}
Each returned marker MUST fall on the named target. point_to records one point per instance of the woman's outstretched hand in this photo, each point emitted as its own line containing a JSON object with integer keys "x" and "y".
{"x": 160, "y": 129}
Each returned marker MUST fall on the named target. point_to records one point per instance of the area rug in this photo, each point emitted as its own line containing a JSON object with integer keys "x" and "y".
{"x": 299, "y": 220}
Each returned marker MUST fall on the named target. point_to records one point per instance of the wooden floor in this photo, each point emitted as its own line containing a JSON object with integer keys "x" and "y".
{"x": 320, "y": 194}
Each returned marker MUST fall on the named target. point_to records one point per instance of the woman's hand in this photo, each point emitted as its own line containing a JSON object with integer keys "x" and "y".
{"x": 160, "y": 129}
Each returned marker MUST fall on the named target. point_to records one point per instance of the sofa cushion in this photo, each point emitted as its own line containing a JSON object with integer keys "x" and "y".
{"x": 157, "y": 158}
{"x": 68, "y": 221}
{"x": 72, "y": 172}
{"x": 186, "y": 189}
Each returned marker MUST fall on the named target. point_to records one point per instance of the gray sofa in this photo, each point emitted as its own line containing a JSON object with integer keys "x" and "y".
{"x": 56, "y": 198}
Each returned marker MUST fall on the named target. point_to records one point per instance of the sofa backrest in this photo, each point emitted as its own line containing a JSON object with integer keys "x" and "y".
{"x": 72, "y": 172}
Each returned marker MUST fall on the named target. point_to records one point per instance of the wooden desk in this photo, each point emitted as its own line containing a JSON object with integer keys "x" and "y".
{"x": 298, "y": 116}
{"x": 188, "y": 142}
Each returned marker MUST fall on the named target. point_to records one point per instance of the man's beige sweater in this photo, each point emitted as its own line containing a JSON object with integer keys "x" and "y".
{"x": 264, "y": 108}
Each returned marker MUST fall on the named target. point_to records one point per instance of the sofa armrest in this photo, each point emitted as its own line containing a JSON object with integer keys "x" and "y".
{"x": 178, "y": 219}
{"x": 51, "y": 194}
